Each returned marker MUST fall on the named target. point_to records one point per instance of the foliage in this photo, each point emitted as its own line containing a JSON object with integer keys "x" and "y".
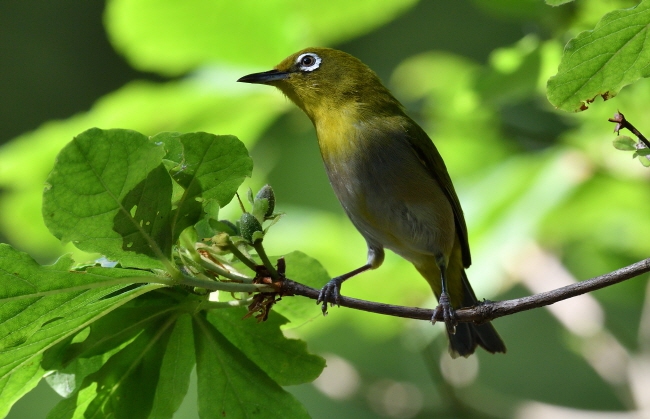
{"x": 603, "y": 60}
{"x": 547, "y": 198}
{"x": 127, "y": 351}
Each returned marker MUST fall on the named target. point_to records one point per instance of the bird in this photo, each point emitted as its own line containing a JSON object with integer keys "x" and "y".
{"x": 390, "y": 179}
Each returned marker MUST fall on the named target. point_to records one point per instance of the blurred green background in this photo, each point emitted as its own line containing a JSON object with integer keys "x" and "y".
{"x": 547, "y": 199}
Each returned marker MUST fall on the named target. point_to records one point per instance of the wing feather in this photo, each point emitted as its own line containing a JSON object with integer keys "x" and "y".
{"x": 431, "y": 159}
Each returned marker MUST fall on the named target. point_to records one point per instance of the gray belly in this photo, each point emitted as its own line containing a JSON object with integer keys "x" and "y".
{"x": 395, "y": 203}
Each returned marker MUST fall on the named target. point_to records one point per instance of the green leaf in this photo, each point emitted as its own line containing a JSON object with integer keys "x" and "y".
{"x": 150, "y": 340}
{"x": 224, "y": 226}
{"x": 174, "y": 37}
{"x": 642, "y": 152}
{"x": 122, "y": 349}
{"x": 230, "y": 385}
{"x": 210, "y": 171}
{"x": 604, "y": 60}
{"x": 125, "y": 385}
{"x": 260, "y": 208}
{"x": 175, "y": 371}
{"x": 188, "y": 105}
{"x": 41, "y": 306}
{"x": 109, "y": 193}
{"x": 644, "y": 161}
{"x": 120, "y": 326}
{"x": 32, "y": 295}
{"x": 625, "y": 143}
{"x": 17, "y": 384}
{"x": 286, "y": 361}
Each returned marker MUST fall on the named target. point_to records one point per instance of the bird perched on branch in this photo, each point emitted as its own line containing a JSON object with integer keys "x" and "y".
{"x": 390, "y": 179}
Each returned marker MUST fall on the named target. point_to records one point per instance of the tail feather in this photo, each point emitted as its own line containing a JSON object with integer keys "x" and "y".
{"x": 469, "y": 335}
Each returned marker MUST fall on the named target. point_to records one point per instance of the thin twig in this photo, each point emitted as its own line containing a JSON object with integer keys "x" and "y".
{"x": 621, "y": 123}
{"x": 486, "y": 311}
{"x": 239, "y": 255}
{"x": 194, "y": 281}
{"x": 257, "y": 245}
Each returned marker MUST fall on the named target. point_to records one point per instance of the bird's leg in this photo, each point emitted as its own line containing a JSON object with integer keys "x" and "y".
{"x": 331, "y": 292}
{"x": 444, "y": 304}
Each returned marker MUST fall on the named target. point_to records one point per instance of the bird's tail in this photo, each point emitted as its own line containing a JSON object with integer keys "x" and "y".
{"x": 470, "y": 335}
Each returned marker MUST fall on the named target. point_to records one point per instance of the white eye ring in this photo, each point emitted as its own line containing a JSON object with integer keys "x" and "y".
{"x": 308, "y": 61}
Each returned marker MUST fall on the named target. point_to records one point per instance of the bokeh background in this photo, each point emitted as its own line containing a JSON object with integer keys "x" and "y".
{"x": 547, "y": 198}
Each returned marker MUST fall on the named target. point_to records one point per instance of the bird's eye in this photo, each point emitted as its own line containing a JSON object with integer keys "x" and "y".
{"x": 308, "y": 61}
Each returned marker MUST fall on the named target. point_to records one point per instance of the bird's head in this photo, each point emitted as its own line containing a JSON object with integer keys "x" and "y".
{"x": 320, "y": 80}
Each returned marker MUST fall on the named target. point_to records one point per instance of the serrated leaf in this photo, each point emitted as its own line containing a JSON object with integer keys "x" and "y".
{"x": 230, "y": 385}
{"x": 210, "y": 171}
{"x": 190, "y": 104}
{"x": 109, "y": 193}
{"x": 32, "y": 295}
{"x": 41, "y": 306}
{"x": 624, "y": 143}
{"x": 286, "y": 361}
{"x": 604, "y": 60}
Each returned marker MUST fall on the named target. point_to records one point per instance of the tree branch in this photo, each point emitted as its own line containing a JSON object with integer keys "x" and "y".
{"x": 621, "y": 123}
{"x": 488, "y": 310}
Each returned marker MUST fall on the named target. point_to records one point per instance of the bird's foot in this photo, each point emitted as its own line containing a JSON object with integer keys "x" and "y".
{"x": 448, "y": 313}
{"x": 330, "y": 293}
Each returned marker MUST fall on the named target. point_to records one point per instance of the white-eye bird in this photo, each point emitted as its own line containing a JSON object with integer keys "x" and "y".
{"x": 390, "y": 179}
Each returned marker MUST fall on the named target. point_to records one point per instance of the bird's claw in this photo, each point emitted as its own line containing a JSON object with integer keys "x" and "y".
{"x": 448, "y": 313}
{"x": 330, "y": 293}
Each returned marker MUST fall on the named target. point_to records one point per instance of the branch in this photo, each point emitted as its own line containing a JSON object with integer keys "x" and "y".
{"x": 488, "y": 310}
{"x": 621, "y": 123}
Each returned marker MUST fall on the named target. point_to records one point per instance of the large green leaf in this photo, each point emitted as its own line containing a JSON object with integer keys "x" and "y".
{"x": 286, "y": 361}
{"x": 230, "y": 385}
{"x": 147, "y": 342}
{"x": 173, "y": 37}
{"x": 150, "y": 342}
{"x": 209, "y": 168}
{"x": 44, "y": 305}
{"x": 604, "y": 60}
{"x": 125, "y": 385}
{"x": 175, "y": 371}
{"x": 110, "y": 193}
{"x": 188, "y": 105}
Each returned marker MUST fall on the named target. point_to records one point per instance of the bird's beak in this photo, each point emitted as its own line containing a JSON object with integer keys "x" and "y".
{"x": 265, "y": 77}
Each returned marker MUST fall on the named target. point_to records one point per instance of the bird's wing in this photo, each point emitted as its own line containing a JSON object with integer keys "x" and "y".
{"x": 431, "y": 159}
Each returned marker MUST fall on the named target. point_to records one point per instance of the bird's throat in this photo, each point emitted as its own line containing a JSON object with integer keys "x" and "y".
{"x": 338, "y": 138}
